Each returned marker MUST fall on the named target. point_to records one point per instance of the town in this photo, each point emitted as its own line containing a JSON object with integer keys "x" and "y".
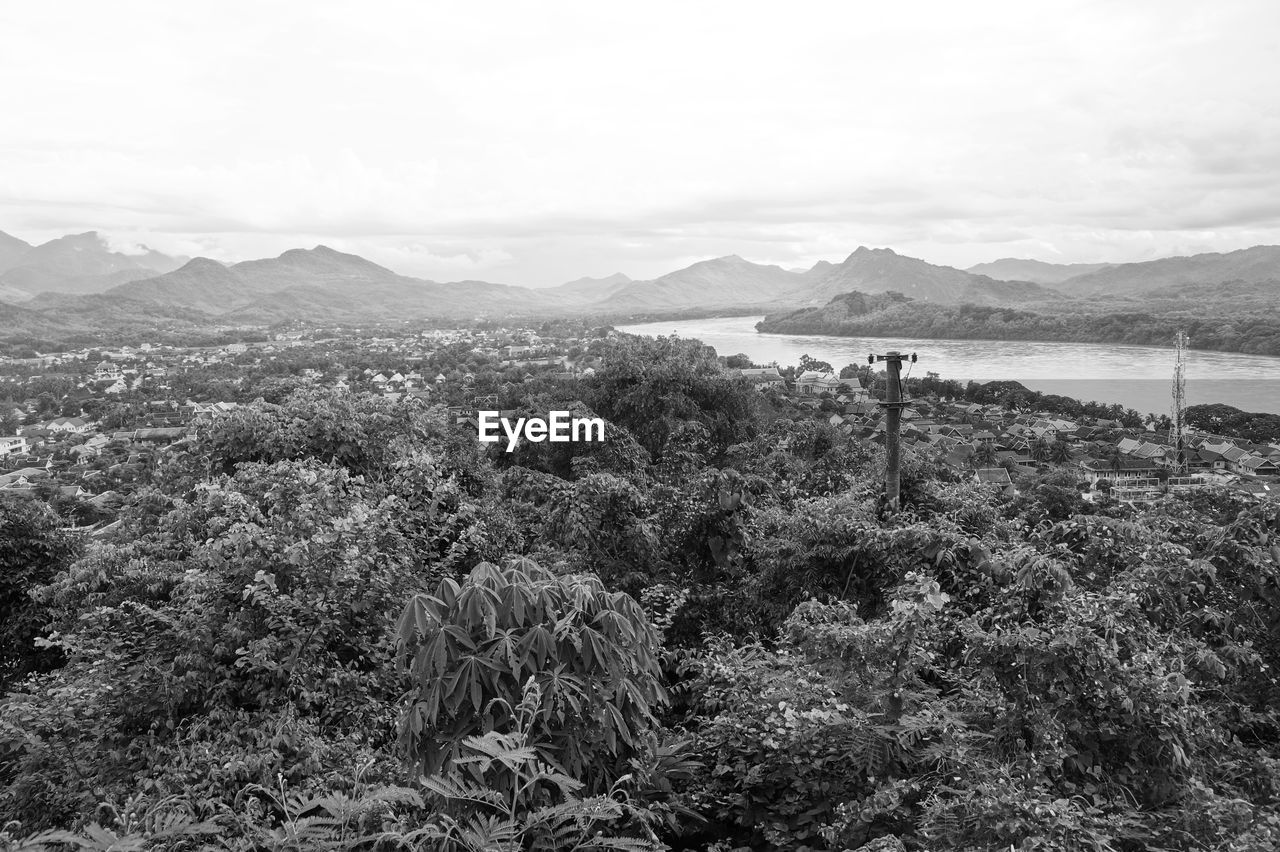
{"x": 85, "y": 427}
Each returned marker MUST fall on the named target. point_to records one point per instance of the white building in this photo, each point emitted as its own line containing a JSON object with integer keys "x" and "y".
{"x": 11, "y": 445}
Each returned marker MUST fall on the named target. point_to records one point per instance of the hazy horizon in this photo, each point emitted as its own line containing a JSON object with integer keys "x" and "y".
{"x": 139, "y": 249}
{"x": 535, "y": 145}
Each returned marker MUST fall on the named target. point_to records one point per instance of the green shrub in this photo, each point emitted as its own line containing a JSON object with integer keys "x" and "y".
{"x": 471, "y": 647}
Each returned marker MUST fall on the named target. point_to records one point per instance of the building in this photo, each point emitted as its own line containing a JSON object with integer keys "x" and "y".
{"x": 763, "y": 377}
{"x": 813, "y": 383}
{"x": 1122, "y": 471}
{"x": 13, "y": 445}
{"x": 68, "y": 425}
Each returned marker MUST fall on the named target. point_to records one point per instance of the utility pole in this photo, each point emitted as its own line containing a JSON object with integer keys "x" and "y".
{"x": 893, "y": 403}
{"x": 1179, "y": 431}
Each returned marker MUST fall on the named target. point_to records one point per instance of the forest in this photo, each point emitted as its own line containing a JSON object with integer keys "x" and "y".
{"x": 340, "y": 622}
{"x": 1249, "y": 327}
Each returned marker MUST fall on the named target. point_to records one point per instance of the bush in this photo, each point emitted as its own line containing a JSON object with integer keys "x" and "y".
{"x": 471, "y": 647}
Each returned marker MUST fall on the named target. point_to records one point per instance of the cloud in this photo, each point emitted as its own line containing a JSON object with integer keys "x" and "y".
{"x": 541, "y": 143}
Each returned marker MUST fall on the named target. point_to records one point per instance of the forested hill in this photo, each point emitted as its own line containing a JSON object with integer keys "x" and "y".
{"x": 1210, "y": 325}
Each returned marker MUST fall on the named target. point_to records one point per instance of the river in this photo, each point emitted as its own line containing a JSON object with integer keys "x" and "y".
{"x": 1139, "y": 377}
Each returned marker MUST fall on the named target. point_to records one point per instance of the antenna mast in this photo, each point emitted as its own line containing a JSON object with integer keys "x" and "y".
{"x": 1178, "y": 433}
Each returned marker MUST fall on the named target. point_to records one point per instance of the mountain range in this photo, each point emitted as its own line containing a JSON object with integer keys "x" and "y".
{"x": 1037, "y": 271}
{"x": 79, "y": 282}
{"x": 76, "y": 263}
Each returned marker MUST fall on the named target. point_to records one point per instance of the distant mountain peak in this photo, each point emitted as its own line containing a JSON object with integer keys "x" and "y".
{"x": 198, "y": 264}
{"x": 328, "y": 260}
{"x": 11, "y": 250}
{"x": 724, "y": 260}
{"x": 863, "y": 251}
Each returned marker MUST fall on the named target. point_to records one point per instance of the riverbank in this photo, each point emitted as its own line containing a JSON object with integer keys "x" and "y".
{"x": 1134, "y": 376}
{"x": 858, "y": 315}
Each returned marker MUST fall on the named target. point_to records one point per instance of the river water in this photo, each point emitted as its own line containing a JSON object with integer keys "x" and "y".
{"x": 1139, "y": 377}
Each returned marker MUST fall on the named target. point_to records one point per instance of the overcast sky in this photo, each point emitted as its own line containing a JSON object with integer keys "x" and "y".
{"x": 533, "y": 143}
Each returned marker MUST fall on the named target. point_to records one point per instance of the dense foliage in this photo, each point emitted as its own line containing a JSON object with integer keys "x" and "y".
{"x": 340, "y": 622}
{"x": 1231, "y": 422}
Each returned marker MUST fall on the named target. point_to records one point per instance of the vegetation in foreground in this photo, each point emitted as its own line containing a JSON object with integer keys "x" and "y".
{"x": 338, "y": 623}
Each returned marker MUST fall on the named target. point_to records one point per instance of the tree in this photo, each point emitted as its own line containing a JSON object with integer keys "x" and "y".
{"x": 1114, "y": 458}
{"x": 32, "y": 550}
{"x": 653, "y": 386}
{"x": 264, "y": 604}
{"x": 984, "y": 454}
{"x": 1059, "y": 451}
{"x": 808, "y": 363}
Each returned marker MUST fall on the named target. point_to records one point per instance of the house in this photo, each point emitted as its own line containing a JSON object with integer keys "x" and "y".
{"x": 206, "y": 411}
{"x": 22, "y": 478}
{"x": 1122, "y": 471}
{"x": 763, "y": 377}
{"x": 106, "y": 371}
{"x": 1257, "y": 466}
{"x": 68, "y": 425}
{"x": 11, "y": 445}
{"x": 813, "y": 383}
{"x": 998, "y": 477}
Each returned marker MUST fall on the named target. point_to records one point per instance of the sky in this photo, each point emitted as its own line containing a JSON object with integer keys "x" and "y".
{"x": 534, "y": 143}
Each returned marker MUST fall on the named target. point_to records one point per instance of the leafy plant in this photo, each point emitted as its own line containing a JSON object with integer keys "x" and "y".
{"x": 470, "y": 647}
{"x": 499, "y": 794}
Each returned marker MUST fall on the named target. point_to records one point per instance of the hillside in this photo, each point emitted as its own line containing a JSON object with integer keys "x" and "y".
{"x": 1036, "y": 271}
{"x": 21, "y": 323}
{"x": 81, "y": 263}
{"x": 201, "y": 283}
{"x": 988, "y": 291}
{"x": 1121, "y": 321}
{"x": 1260, "y": 264}
{"x": 723, "y": 281}
{"x": 884, "y": 270}
{"x": 319, "y": 284}
{"x": 11, "y": 248}
{"x": 588, "y": 290}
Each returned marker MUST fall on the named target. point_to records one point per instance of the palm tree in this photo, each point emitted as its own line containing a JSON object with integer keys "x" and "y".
{"x": 1040, "y": 450}
{"x": 1113, "y": 455}
{"x": 1060, "y": 451}
{"x": 984, "y": 454}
